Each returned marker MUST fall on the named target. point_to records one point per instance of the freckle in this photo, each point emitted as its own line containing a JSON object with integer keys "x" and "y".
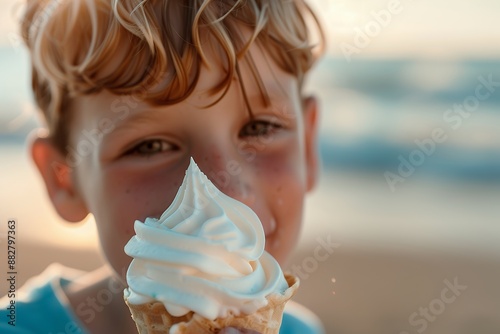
{"x": 279, "y": 189}
{"x": 127, "y": 191}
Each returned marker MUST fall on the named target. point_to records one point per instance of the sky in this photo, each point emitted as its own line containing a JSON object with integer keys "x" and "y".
{"x": 414, "y": 28}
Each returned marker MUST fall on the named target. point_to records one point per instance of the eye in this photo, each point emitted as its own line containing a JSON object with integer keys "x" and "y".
{"x": 150, "y": 147}
{"x": 258, "y": 128}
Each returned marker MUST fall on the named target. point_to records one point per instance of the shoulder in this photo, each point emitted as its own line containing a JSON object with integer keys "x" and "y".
{"x": 297, "y": 319}
{"x": 40, "y": 305}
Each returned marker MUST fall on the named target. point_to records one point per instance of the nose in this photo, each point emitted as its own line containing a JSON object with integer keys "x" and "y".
{"x": 232, "y": 174}
{"x": 225, "y": 168}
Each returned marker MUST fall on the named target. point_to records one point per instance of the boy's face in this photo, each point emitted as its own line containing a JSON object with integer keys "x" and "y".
{"x": 136, "y": 168}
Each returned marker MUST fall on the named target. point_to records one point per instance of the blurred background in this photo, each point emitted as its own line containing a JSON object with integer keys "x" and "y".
{"x": 410, "y": 214}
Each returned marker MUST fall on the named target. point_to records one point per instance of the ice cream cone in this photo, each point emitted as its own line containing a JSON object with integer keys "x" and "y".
{"x": 153, "y": 318}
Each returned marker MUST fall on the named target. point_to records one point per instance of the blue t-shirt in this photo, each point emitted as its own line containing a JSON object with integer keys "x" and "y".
{"x": 42, "y": 308}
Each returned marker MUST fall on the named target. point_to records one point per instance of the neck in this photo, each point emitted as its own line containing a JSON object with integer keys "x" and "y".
{"x": 97, "y": 300}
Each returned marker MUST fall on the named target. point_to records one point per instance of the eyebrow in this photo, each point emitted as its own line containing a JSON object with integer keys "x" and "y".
{"x": 131, "y": 122}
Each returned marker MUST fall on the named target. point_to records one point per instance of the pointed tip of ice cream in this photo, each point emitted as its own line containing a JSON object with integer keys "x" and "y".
{"x": 194, "y": 169}
{"x": 192, "y": 163}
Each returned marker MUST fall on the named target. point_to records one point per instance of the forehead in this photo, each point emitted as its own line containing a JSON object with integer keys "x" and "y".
{"x": 259, "y": 77}
{"x": 281, "y": 87}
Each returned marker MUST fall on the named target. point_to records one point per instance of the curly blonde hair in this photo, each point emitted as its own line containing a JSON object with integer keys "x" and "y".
{"x": 73, "y": 45}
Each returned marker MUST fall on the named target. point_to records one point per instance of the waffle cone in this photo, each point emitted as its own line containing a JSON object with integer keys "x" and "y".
{"x": 153, "y": 318}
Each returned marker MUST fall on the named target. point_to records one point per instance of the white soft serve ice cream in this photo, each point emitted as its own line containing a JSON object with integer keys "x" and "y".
{"x": 205, "y": 254}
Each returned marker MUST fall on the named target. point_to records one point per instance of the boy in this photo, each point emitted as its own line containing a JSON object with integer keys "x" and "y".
{"x": 130, "y": 90}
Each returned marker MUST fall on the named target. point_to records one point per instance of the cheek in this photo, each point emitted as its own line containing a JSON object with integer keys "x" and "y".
{"x": 287, "y": 154}
{"x": 124, "y": 197}
{"x": 283, "y": 171}
{"x": 282, "y": 175}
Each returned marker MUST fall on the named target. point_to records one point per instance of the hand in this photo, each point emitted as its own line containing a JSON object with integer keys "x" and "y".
{"x": 233, "y": 330}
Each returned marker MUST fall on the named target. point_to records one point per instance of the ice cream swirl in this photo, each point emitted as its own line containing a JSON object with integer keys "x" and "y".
{"x": 205, "y": 254}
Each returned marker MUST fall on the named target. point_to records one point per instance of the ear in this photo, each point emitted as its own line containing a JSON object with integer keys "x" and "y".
{"x": 311, "y": 120}
{"x": 59, "y": 180}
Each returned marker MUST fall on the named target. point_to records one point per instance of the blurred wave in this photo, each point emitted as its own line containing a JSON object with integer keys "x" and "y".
{"x": 375, "y": 110}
